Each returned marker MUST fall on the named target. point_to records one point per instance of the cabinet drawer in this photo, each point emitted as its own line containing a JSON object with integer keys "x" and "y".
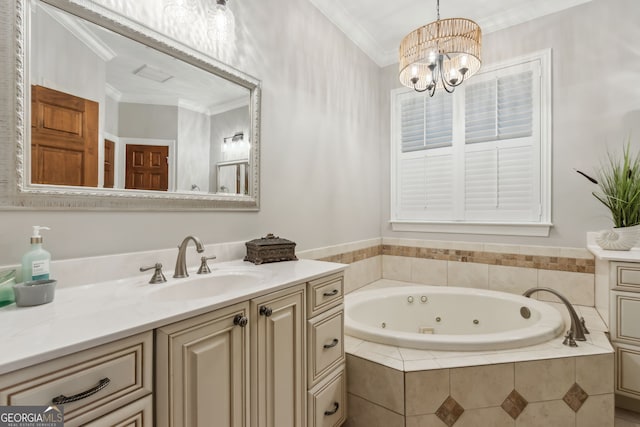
{"x": 627, "y": 316}
{"x": 326, "y": 343}
{"x": 136, "y": 414}
{"x": 628, "y": 371}
{"x": 127, "y": 363}
{"x": 324, "y": 293}
{"x": 626, "y": 275}
{"x": 328, "y": 401}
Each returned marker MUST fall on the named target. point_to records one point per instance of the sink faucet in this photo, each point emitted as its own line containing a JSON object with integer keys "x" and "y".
{"x": 181, "y": 262}
{"x": 577, "y": 327}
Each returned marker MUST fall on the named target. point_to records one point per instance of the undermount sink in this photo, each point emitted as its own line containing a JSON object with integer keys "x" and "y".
{"x": 206, "y": 286}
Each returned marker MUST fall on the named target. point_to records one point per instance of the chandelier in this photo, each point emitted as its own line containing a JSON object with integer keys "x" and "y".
{"x": 443, "y": 54}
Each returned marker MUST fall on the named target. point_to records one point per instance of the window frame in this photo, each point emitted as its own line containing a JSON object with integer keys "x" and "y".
{"x": 533, "y": 228}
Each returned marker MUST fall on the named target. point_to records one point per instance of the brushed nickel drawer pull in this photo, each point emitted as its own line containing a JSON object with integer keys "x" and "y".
{"x": 333, "y": 343}
{"x": 330, "y": 294}
{"x": 62, "y": 399}
{"x": 336, "y": 406}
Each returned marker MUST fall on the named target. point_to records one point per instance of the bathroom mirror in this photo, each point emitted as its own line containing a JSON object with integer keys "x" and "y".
{"x": 110, "y": 114}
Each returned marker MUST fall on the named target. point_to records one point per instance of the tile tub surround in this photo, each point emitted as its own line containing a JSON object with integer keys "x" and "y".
{"x": 529, "y": 386}
{"x": 557, "y": 392}
{"x": 566, "y": 390}
{"x": 507, "y": 268}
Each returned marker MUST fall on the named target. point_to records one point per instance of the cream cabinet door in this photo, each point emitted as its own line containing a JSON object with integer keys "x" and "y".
{"x": 628, "y": 370}
{"x": 278, "y": 359}
{"x": 202, "y": 370}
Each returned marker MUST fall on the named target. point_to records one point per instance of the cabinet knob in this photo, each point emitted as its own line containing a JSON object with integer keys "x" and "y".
{"x": 336, "y": 406}
{"x": 240, "y": 320}
{"x": 265, "y": 311}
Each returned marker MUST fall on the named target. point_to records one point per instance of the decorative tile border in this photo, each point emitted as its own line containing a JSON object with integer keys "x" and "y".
{"x": 556, "y": 263}
{"x": 354, "y": 256}
{"x": 575, "y": 265}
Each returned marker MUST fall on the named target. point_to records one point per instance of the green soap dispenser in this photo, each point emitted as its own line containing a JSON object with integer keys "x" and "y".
{"x": 35, "y": 263}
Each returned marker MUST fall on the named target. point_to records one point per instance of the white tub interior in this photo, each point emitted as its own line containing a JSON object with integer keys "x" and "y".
{"x": 449, "y": 318}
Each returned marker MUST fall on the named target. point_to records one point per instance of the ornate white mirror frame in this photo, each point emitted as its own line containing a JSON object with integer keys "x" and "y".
{"x": 16, "y": 191}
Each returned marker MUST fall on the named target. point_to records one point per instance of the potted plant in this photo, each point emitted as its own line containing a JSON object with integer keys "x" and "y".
{"x": 619, "y": 190}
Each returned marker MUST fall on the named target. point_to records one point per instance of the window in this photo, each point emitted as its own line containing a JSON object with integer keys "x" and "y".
{"x": 477, "y": 160}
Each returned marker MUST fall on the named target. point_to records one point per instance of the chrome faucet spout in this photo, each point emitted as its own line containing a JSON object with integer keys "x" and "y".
{"x": 181, "y": 261}
{"x": 577, "y": 328}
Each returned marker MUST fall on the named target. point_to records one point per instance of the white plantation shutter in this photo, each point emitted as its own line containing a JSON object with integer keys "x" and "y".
{"x": 474, "y": 155}
{"x": 501, "y": 164}
{"x": 425, "y": 123}
{"x": 515, "y": 105}
{"x": 500, "y": 184}
{"x": 480, "y": 111}
{"x": 426, "y": 186}
{"x": 499, "y": 108}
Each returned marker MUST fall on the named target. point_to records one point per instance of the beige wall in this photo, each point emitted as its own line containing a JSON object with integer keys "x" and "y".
{"x": 596, "y": 100}
{"x": 320, "y": 143}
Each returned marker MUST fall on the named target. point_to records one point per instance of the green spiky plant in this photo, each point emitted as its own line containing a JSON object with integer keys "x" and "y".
{"x": 619, "y": 182}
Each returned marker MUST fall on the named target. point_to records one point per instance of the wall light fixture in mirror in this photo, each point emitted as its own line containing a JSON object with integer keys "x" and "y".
{"x": 121, "y": 116}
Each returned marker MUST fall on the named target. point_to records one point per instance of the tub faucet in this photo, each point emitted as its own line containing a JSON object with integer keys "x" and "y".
{"x": 181, "y": 262}
{"x": 577, "y": 327}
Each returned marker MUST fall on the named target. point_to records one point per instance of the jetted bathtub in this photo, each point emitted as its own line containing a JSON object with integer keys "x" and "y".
{"x": 449, "y": 318}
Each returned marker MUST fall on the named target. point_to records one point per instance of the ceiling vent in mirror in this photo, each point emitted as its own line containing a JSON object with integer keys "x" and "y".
{"x": 148, "y": 72}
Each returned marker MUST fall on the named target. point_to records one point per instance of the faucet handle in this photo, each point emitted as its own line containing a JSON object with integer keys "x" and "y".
{"x": 569, "y": 340}
{"x": 583, "y": 324}
{"x": 204, "y": 268}
{"x": 157, "y": 277}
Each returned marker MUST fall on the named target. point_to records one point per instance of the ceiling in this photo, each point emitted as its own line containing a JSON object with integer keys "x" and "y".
{"x": 186, "y": 86}
{"x": 378, "y": 26}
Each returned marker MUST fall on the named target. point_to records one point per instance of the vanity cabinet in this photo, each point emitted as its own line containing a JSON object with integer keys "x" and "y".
{"x": 202, "y": 366}
{"x": 274, "y": 360}
{"x": 108, "y": 385}
{"x": 237, "y": 366}
{"x": 624, "y": 278}
{"x": 278, "y": 359}
{"x": 261, "y": 363}
{"x": 326, "y": 374}
{"x": 621, "y": 275}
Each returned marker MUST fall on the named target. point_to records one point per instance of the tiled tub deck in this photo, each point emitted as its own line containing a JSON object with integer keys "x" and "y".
{"x": 546, "y": 385}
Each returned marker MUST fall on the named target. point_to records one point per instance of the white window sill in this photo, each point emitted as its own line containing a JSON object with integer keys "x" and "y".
{"x": 514, "y": 229}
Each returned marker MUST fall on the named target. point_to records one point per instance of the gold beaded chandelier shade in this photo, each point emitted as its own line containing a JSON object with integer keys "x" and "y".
{"x": 442, "y": 54}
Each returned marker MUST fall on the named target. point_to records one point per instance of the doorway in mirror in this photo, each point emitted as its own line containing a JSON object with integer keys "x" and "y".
{"x": 147, "y": 167}
{"x": 64, "y": 138}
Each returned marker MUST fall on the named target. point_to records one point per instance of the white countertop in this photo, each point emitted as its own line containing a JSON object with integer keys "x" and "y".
{"x": 86, "y": 316}
{"x": 606, "y": 255}
{"x": 629, "y": 256}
